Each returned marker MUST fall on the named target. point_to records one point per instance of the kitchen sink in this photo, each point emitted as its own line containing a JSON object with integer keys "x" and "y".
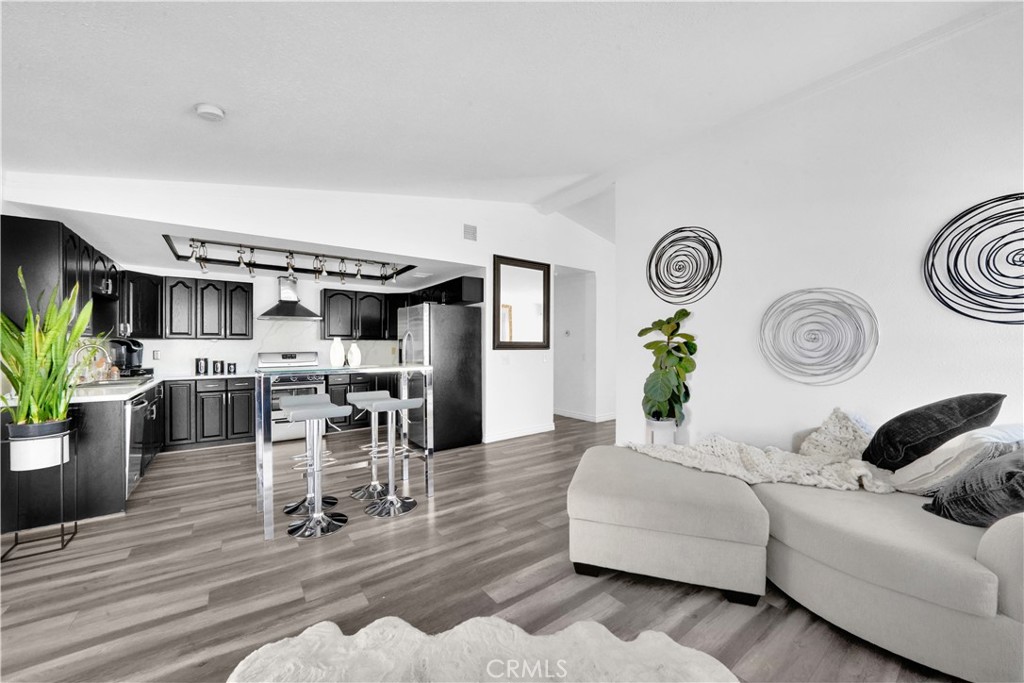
{"x": 122, "y": 382}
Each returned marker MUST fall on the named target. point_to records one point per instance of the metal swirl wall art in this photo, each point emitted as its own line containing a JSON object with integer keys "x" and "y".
{"x": 975, "y": 264}
{"x": 684, "y": 265}
{"x": 819, "y": 336}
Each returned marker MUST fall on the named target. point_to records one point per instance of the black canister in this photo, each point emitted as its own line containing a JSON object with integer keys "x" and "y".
{"x": 232, "y": 368}
{"x": 218, "y": 367}
{"x": 202, "y": 366}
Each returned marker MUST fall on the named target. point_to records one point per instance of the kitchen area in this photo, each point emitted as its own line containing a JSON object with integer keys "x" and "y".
{"x": 178, "y": 356}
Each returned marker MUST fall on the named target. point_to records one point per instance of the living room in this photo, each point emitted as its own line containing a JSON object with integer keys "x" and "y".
{"x": 822, "y": 145}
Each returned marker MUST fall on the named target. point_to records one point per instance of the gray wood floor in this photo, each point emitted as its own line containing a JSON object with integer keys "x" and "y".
{"x": 183, "y": 586}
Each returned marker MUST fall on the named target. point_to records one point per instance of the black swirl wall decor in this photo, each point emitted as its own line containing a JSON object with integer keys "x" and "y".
{"x": 819, "y": 336}
{"x": 975, "y": 264}
{"x": 684, "y": 265}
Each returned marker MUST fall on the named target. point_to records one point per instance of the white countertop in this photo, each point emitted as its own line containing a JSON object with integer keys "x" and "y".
{"x": 123, "y": 393}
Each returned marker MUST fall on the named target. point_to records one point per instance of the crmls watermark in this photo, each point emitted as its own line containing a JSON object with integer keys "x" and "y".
{"x": 521, "y": 668}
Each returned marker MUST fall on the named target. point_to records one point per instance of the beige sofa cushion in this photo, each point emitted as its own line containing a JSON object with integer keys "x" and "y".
{"x": 887, "y": 540}
{"x": 617, "y": 485}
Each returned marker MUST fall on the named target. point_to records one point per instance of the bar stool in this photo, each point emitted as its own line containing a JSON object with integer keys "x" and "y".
{"x": 305, "y": 505}
{"x": 318, "y": 523}
{"x": 393, "y": 505}
{"x": 362, "y": 400}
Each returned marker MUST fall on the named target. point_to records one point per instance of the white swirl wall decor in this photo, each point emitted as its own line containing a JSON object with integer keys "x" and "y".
{"x": 975, "y": 264}
{"x": 684, "y": 265}
{"x": 819, "y": 336}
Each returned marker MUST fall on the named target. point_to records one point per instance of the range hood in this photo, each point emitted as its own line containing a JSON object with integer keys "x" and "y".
{"x": 288, "y": 306}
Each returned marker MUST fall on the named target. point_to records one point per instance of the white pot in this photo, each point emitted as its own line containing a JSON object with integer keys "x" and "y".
{"x": 39, "y": 452}
{"x": 660, "y": 432}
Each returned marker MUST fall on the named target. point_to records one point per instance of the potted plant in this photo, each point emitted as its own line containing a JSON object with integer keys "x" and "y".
{"x": 665, "y": 390}
{"x": 36, "y": 360}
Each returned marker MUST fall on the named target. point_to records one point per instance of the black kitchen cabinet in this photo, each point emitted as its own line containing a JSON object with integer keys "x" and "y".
{"x": 211, "y": 411}
{"x": 393, "y": 302}
{"x": 32, "y": 498}
{"x": 241, "y": 414}
{"x": 339, "y": 397}
{"x": 179, "y": 308}
{"x": 36, "y": 246}
{"x": 340, "y": 386}
{"x": 457, "y": 291}
{"x": 179, "y": 412}
{"x": 370, "y": 316}
{"x": 338, "y": 310}
{"x": 238, "y": 318}
{"x": 210, "y": 309}
{"x": 142, "y": 297}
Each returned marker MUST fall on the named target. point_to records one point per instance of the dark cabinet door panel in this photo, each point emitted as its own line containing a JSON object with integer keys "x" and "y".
{"x": 239, "y": 310}
{"x": 179, "y": 308}
{"x": 369, "y": 316}
{"x": 209, "y": 309}
{"x": 339, "y": 397}
{"x": 35, "y": 247}
{"x": 393, "y": 302}
{"x": 241, "y": 414}
{"x": 211, "y": 416}
{"x": 142, "y": 305}
{"x": 179, "y": 412}
{"x": 338, "y": 311}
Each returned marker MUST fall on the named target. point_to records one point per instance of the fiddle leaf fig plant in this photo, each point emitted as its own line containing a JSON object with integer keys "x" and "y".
{"x": 665, "y": 389}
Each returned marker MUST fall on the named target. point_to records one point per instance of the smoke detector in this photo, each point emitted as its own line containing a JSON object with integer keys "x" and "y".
{"x": 209, "y": 112}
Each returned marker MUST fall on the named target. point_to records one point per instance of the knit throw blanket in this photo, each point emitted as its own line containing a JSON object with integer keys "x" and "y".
{"x": 755, "y": 466}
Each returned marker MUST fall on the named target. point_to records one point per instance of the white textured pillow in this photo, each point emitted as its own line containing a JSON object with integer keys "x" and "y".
{"x": 927, "y": 474}
{"x": 840, "y": 437}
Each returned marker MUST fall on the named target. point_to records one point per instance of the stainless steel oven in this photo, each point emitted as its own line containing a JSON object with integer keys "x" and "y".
{"x": 302, "y": 383}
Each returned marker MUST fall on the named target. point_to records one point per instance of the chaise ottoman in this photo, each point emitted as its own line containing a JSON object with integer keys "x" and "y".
{"x": 634, "y": 513}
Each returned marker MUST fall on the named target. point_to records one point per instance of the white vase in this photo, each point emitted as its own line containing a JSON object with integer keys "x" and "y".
{"x": 337, "y": 353}
{"x": 355, "y": 356}
{"x": 661, "y": 432}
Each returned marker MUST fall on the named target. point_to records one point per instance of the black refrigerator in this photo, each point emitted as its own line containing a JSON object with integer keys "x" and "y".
{"x": 447, "y": 338}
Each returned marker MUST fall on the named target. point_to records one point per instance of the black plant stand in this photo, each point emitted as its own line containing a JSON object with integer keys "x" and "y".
{"x": 66, "y": 533}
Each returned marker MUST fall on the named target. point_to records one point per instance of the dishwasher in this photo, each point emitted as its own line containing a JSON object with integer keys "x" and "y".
{"x": 134, "y": 436}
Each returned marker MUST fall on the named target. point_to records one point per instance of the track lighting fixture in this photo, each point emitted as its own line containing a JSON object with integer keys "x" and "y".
{"x": 232, "y": 255}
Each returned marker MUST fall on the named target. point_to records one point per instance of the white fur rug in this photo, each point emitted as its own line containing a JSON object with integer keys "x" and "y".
{"x": 480, "y": 649}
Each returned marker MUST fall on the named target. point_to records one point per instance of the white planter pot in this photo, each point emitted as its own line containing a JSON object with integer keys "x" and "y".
{"x": 660, "y": 432}
{"x": 39, "y": 452}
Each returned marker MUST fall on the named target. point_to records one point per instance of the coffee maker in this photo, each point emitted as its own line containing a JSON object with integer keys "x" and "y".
{"x": 126, "y": 354}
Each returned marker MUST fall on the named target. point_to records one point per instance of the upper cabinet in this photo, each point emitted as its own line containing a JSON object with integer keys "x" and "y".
{"x": 210, "y": 309}
{"x": 142, "y": 305}
{"x": 338, "y": 310}
{"x": 460, "y": 290}
{"x": 238, "y": 316}
{"x": 369, "y": 316}
{"x": 207, "y": 309}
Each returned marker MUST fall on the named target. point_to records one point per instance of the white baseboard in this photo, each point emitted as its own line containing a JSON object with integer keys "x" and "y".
{"x": 588, "y": 417}
{"x": 516, "y": 433}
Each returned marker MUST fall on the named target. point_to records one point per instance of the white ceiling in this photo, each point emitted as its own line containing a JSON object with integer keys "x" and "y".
{"x": 499, "y": 101}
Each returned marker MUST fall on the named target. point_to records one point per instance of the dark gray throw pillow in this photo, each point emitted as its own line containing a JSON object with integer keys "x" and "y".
{"x": 918, "y": 432}
{"x": 984, "y": 494}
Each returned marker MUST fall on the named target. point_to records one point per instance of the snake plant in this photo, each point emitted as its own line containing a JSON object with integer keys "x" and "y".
{"x": 36, "y": 359}
{"x": 665, "y": 389}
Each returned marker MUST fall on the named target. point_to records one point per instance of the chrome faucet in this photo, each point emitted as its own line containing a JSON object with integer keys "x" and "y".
{"x": 76, "y": 356}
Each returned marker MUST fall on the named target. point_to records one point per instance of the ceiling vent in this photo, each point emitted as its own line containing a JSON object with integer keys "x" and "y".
{"x": 469, "y": 232}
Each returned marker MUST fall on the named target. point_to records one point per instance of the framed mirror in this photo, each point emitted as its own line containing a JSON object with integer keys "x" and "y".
{"x": 522, "y": 304}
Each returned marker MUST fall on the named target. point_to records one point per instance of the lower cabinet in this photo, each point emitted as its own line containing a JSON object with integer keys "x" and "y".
{"x": 340, "y": 386}
{"x": 209, "y": 411}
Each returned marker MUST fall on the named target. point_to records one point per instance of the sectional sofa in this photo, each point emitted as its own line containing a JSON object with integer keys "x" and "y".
{"x": 935, "y": 591}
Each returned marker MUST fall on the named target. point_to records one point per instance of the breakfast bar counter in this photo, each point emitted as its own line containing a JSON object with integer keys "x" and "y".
{"x": 267, "y": 377}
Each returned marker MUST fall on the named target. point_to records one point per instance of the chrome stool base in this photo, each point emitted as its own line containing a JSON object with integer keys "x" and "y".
{"x": 304, "y": 507}
{"x": 316, "y": 526}
{"x": 395, "y": 506}
{"x": 372, "y": 491}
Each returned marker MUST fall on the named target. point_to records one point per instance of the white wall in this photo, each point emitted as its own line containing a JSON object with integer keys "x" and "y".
{"x": 518, "y": 385}
{"x": 844, "y": 189}
{"x": 574, "y": 340}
